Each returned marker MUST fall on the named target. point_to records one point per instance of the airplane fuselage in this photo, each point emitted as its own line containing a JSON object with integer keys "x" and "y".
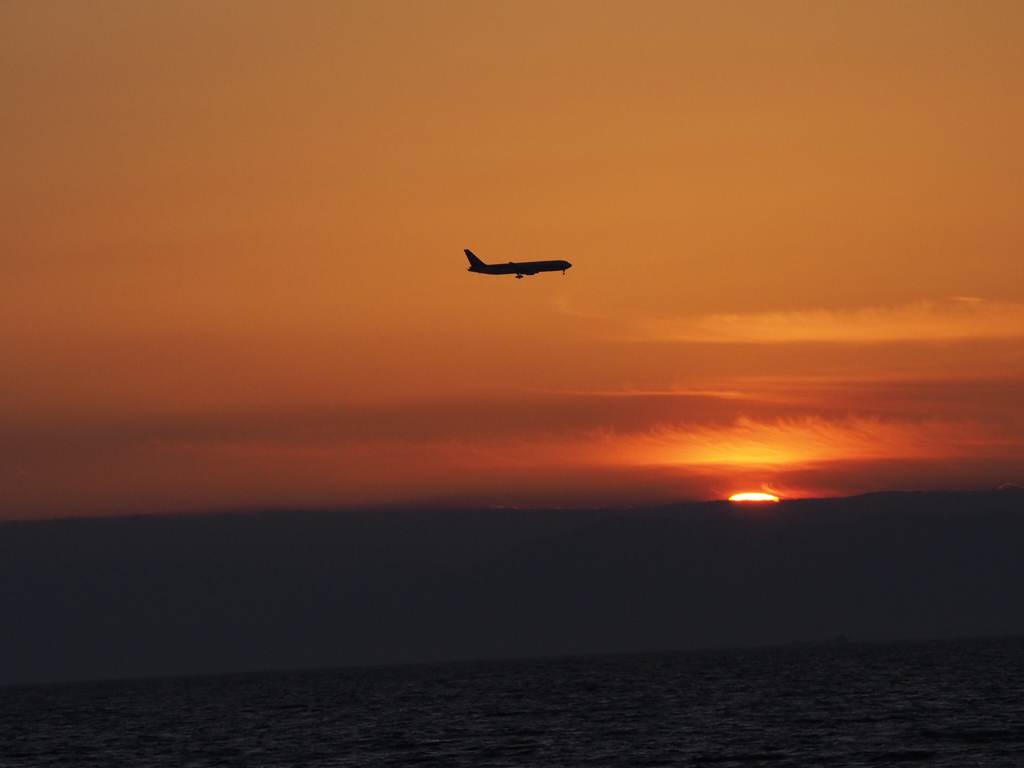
{"x": 517, "y": 268}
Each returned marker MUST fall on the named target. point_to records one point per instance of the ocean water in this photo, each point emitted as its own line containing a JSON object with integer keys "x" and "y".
{"x": 951, "y": 703}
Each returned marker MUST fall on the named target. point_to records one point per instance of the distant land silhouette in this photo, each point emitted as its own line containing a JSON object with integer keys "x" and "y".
{"x": 205, "y": 593}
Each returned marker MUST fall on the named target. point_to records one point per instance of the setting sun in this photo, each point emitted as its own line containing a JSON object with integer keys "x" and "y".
{"x": 753, "y": 497}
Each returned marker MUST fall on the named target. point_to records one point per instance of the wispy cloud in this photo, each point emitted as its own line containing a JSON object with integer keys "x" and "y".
{"x": 957, "y": 318}
{"x": 813, "y": 440}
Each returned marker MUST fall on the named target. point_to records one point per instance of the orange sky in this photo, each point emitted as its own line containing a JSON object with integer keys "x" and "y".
{"x": 231, "y": 269}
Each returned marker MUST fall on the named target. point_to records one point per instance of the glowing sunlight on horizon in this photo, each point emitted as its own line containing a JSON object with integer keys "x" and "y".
{"x": 753, "y": 497}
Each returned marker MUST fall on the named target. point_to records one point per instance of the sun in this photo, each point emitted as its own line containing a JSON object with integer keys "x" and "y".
{"x": 753, "y": 497}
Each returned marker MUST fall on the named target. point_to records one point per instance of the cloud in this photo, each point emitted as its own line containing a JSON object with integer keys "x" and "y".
{"x": 792, "y": 443}
{"x": 813, "y": 440}
{"x": 568, "y": 449}
{"x": 954, "y": 319}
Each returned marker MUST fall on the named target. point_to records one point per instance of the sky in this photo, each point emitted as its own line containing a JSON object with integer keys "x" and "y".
{"x": 231, "y": 268}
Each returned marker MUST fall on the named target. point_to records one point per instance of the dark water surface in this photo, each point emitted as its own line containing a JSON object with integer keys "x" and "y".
{"x": 937, "y": 703}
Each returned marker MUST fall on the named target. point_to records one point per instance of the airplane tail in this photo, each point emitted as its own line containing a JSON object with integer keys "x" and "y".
{"x": 474, "y": 262}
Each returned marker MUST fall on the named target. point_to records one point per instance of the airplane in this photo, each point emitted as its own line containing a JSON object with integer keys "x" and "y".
{"x": 517, "y": 268}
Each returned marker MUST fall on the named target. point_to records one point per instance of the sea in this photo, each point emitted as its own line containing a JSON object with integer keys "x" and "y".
{"x": 937, "y": 703}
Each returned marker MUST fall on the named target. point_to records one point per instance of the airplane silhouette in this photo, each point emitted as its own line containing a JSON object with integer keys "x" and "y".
{"x": 517, "y": 268}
